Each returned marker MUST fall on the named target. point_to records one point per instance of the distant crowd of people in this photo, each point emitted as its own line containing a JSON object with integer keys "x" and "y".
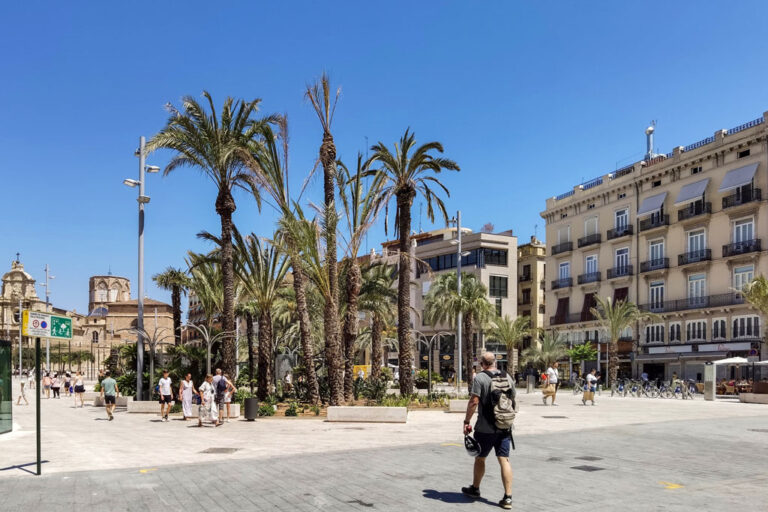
{"x": 52, "y": 382}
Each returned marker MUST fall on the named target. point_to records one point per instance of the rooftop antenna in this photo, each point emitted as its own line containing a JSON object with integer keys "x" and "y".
{"x": 649, "y": 140}
{"x": 535, "y": 230}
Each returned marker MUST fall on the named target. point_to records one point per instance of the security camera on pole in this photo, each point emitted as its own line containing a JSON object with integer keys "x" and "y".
{"x": 142, "y": 199}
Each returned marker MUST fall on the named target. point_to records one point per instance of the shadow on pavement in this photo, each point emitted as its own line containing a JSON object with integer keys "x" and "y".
{"x": 452, "y": 497}
{"x": 23, "y": 467}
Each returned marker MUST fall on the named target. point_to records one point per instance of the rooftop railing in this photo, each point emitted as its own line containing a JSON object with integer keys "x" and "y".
{"x": 746, "y": 125}
{"x": 592, "y": 183}
{"x": 697, "y": 145}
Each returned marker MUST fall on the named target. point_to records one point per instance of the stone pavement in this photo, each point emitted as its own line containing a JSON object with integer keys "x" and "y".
{"x": 643, "y": 455}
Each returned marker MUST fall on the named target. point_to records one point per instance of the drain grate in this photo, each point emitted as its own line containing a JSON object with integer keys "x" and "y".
{"x": 588, "y": 468}
{"x": 555, "y": 417}
{"x": 589, "y": 457}
{"x": 220, "y": 450}
{"x": 764, "y": 430}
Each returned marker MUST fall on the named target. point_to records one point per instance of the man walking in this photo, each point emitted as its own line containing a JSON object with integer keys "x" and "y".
{"x": 166, "y": 395}
{"x": 552, "y": 383}
{"x": 486, "y": 433}
{"x": 109, "y": 392}
{"x": 220, "y": 387}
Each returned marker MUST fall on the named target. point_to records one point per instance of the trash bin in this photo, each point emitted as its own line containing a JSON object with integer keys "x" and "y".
{"x": 251, "y": 408}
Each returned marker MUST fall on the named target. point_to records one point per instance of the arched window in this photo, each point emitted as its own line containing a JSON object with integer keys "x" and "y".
{"x": 101, "y": 292}
{"x": 113, "y": 293}
{"x": 95, "y": 336}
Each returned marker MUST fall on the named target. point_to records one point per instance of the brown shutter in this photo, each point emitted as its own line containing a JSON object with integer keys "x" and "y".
{"x": 620, "y": 294}
{"x": 562, "y": 310}
{"x": 589, "y": 303}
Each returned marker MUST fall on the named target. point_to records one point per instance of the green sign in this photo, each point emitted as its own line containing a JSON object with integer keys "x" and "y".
{"x": 43, "y": 325}
{"x": 61, "y": 327}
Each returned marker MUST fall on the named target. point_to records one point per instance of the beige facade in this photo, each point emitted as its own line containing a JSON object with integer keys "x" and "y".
{"x": 531, "y": 293}
{"x": 677, "y": 234}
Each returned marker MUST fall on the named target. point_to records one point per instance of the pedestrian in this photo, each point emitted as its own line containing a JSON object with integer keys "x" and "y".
{"x": 186, "y": 392}
{"x": 31, "y": 379}
{"x": 166, "y": 396}
{"x": 109, "y": 393}
{"x": 552, "y": 384}
{"x": 590, "y": 388}
{"x": 47, "y": 385}
{"x": 56, "y": 385}
{"x": 208, "y": 410}
{"x": 79, "y": 389}
{"x": 287, "y": 383}
{"x": 486, "y": 433}
{"x": 220, "y": 387}
{"x": 228, "y": 394}
{"x": 22, "y": 395}
{"x": 68, "y": 384}
{"x": 361, "y": 374}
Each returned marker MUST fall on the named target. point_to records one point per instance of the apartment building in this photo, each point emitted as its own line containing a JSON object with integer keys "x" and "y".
{"x": 531, "y": 287}
{"x": 677, "y": 234}
{"x": 491, "y": 257}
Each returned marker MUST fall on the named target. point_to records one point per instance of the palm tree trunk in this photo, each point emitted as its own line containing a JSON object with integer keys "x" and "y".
{"x": 469, "y": 355}
{"x": 249, "y": 337}
{"x": 225, "y": 207}
{"x": 176, "y": 302}
{"x": 307, "y": 348}
{"x": 376, "y": 349}
{"x": 404, "y": 203}
{"x": 354, "y": 279}
{"x": 265, "y": 355}
{"x": 613, "y": 359}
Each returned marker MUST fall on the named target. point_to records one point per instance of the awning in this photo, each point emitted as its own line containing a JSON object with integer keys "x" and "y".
{"x": 656, "y": 357}
{"x": 651, "y": 204}
{"x": 738, "y": 177}
{"x": 703, "y": 355}
{"x": 732, "y": 361}
{"x": 691, "y": 192}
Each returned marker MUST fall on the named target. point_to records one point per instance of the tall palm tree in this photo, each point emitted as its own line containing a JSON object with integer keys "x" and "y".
{"x": 360, "y": 201}
{"x": 319, "y": 95}
{"x": 200, "y": 139}
{"x": 613, "y": 317}
{"x": 510, "y": 333}
{"x": 261, "y": 268}
{"x": 406, "y": 172}
{"x": 443, "y": 304}
{"x": 551, "y": 348}
{"x": 378, "y": 298}
{"x": 756, "y": 293}
{"x": 248, "y": 310}
{"x": 177, "y": 281}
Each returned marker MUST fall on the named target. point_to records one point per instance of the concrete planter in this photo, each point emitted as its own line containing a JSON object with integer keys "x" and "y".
{"x": 458, "y": 405}
{"x": 368, "y": 414}
{"x": 753, "y": 398}
{"x": 122, "y": 401}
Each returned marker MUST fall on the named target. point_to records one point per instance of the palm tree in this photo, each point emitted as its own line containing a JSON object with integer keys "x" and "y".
{"x": 377, "y": 298}
{"x": 206, "y": 282}
{"x": 261, "y": 268}
{"x": 213, "y": 145}
{"x": 319, "y": 95}
{"x": 551, "y": 348}
{"x": 510, "y": 333}
{"x": 756, "y": 293}
{"x": 361, "y": 206}
{"x": 443, "y": 304}
{"x": 177, "y": 281}
{"x": 248, "y": 310}
{"x": 614, "y": 317}
{"x": 407, "y": 172}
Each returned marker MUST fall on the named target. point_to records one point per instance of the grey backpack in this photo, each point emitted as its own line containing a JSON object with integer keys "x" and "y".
{"x": 501, "y": 406}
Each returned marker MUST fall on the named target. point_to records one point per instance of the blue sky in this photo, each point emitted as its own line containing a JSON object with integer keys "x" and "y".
{"x": 529, "y": 98}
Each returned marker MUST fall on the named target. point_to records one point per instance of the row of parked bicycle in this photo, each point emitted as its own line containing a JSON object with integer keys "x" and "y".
{"x": 684, "y": 389}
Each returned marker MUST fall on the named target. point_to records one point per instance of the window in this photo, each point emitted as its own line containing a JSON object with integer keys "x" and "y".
{"x": 496, "y": 257}
{"x": 590, "y": 206}
{"x": 563, "y": 234}
{"x": 656, "y": 295}
{"x": 626, "y": 334}
{"x": 95, "y": 336}
{"x": 622, "y": 258}
{"x": 746, "y": 327}
{"x": 497, "y": 286}
{"x": 744, "y": 153}
{"x": 563, "y": 215}
{"x": 590, "y": 264}
{"x": 564, "y": 270}
{"x": 718, "y": 329}
{"x": 742, "y": 230}
{"x": 425, "y": 286}
{"x": 113, "y": 294}
{"x": 656, "y": 251}
{"x": 526, "y": 296}
{"x": 697, "y": 289}
{"x": 742, "y": 276}
{"x": 590, "y": 226}
{"x": 101, "y": 293}
{"x": 654, "y": 333}
{"x": 695, "y": 170}
{"x": 656, "y": 183}
{"x": 674, "y": 332}
{"x": 621, "y": 196}
{"x": 527, "y": 271}
{"x": 696, "y": 242}
{"x": 498, "y": 308}
{"x": 622, "y": 219}
{"x": 696, "y": 330}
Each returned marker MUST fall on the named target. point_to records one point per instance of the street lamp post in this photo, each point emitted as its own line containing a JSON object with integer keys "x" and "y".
{"x": 423, "y": 338}
{"x": 142, "y": 199}
{"x": 457, "y": 242}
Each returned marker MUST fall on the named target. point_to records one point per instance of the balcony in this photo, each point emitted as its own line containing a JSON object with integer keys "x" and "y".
{"x": 694, "y": 210}
{"x": 562, "y": 247}
{"x": 595, "y": 238}
{"x": 525, "y": 278}
{"x": 590, "y": 277}
{"x": 622, "y": 271}
{"x": 742, "y": 196}
{"x": 657, "y": 264}
{"x": 654, "y": 221}
{"x": 744, "y": 247}
{"x": 525, "y": 301}
{"x": 566, "y": 282}
{"x": 620, "y": 232}
{"x": 571, "y": 318}
{"x": 694, "y": 257}
{"x": 707, "y": 301}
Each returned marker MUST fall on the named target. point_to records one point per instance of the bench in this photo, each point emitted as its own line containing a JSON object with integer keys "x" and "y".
{"x": 364, "y": 414}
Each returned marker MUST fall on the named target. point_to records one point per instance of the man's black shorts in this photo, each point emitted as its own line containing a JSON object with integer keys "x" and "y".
{"x": 499, "y": 441}
{"x": 109, "y": 399}
{"x": 166, "y": 399}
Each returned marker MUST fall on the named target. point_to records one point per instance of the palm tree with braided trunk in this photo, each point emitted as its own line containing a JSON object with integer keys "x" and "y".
{"x": 177, "y": 281}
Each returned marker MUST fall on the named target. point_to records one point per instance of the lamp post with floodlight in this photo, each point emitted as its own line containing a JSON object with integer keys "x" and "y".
{"x": 142, "y": 199}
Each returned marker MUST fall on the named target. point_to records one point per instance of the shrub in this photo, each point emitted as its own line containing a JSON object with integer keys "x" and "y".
{"x": 358, "y": 387}
{"x": 292, "y": 409}
{"x": 241, "y": 394}
{"x": 375, "y": 389}
{"x": 266, "y": 410}
{"x": 176, "y": 407}
{"x": 387, "y": 374}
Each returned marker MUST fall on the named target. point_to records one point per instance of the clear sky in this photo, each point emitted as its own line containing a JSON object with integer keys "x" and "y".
{"x": 529, "y": 98}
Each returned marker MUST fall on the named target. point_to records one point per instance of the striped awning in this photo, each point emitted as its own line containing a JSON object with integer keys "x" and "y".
{"x": 738, "y": 177}
{"x": 651, "y": 205}
{"x": 691, "y": 192}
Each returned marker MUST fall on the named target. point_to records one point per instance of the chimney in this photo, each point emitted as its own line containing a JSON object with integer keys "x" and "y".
{"x": 649, "y": 140}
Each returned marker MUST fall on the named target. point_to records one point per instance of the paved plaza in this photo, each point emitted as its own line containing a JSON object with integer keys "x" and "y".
{"x": 634, "y": 454}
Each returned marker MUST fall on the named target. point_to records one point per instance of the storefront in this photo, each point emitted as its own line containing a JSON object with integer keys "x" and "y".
{"x": 688, "y": 361}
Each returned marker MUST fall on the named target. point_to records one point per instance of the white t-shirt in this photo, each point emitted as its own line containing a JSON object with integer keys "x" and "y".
{"x": 165, "y": 386}
{"x": 551, "y": 376}
{"x": 591, "y": 379}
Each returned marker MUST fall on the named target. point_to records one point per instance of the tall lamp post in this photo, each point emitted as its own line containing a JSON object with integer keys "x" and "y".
{"x": 457, "y": 242}
{"x": 142, "y": 199}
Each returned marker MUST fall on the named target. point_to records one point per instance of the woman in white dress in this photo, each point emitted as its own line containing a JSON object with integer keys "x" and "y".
{"x": 208, "y": 408}
{"x": 186, "y": 391}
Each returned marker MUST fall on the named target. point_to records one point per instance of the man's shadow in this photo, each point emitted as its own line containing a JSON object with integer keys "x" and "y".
{"x": 453, "y": 497}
